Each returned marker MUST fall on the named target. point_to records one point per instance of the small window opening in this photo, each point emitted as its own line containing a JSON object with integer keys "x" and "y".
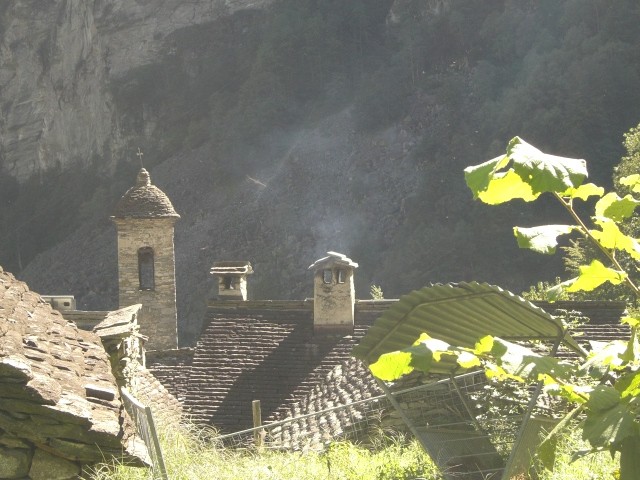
{"x": 145, "y": 268}
{"x": 341, "y": 276}
{"x": 66, "y": 304}
{"x": 228, "y": 283}
{"x": 327, "y": 276}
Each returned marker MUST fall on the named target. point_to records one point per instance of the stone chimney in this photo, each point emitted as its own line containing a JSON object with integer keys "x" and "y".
{"x": 333, "y": 294}
{"x": 232, "y": 279}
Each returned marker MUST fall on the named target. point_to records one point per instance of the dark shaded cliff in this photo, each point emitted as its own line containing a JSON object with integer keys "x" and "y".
{"x": 280, "y": 133}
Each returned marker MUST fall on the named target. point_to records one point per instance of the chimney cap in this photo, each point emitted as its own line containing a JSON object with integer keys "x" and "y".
{"x": 231, "y": 267}
{"x": 333, "y": 258}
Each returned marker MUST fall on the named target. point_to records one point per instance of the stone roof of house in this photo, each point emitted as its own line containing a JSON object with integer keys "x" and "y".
{"x": 144, "y": 200}
{"x": 263, "y": 351}
{"x": 57, "y": 390}
{"x": 267, "y": 351}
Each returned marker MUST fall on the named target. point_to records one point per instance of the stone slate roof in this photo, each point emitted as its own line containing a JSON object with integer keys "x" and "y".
{"x": 267, "y": 351}
{"x": 263, "y": 351}
{"x": 144, "y": 200}
{"x": 57, "y": 391}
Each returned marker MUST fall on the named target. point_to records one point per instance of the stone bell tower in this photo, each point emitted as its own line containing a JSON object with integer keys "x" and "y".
{"x": 144, "y": 219}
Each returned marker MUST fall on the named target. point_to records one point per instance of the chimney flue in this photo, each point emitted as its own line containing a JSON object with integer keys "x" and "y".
{"x": 333, "y": 294}
{"x": 232, "y": 279}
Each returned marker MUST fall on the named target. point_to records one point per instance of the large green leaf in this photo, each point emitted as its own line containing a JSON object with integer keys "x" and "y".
{"x": 611, "y": 237}
{"x": 524, "y": 173}
{"x": 605, "y": 428}
{"x": 593, "y": 275}
{"x": 421, "y": 355}
{"x": 603, "y": 398}
{"x": 583, "y": 192}
{"x": 543, "y": 239}
{"x": 391, "y": 366}
{"x": 629, "y": 384}
{"x": 616, "y": 208}
{"x": 493, "y": 186}
{"x": 544, "y": 172}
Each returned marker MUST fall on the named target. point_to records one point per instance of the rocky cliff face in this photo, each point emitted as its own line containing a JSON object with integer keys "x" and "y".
{"x": 57, "y": 62}
{"x": 284, "y": 132}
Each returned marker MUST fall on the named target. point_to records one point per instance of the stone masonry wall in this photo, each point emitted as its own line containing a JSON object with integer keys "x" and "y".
{"x": 159, "y": 318}
{"x": 334, "y": 302}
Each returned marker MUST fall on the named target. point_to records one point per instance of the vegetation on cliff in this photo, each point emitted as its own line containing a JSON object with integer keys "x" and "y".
{"x": 410, "y": 91}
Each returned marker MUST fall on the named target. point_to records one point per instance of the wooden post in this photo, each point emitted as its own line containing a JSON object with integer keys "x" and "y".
{"x": 257, "y": 422}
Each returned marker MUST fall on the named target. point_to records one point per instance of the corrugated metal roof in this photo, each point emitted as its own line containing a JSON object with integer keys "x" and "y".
{"x": 459, "y": 314}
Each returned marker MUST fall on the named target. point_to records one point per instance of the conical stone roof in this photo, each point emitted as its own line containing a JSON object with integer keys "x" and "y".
{"x": 144, "y": 200}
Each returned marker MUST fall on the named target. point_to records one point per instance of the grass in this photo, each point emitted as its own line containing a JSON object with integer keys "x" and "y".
{"x": 189, "y": 457}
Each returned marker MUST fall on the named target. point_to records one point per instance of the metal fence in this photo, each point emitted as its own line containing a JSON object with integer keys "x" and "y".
{"x": 451, "y": 418}
{"x": 360, "y": 421}
{"x": 146, "y": 429}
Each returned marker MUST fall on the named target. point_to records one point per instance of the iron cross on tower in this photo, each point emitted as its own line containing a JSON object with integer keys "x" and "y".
{"x": 139, "y": 155}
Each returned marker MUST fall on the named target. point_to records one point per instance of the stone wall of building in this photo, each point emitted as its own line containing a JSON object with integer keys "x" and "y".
{"x": 158, "y": 320}
{"x": 60, "y": 407}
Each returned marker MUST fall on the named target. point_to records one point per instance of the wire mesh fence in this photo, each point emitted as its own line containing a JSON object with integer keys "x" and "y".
{"x": 145, "y": 428}
{"x": 364, "y": 419}
{"x": 467, "y": 426}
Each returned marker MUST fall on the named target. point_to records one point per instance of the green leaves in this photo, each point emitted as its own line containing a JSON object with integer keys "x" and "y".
{"x": 392, "y": 366}
{"x": 609, "y": 420}
{"x": 421, "y": 355}
{"x": 612, "y": 238}
{"x": 612, "y": 407}
{"x": 616, "y": 208}
{"x": 594, "y": 275}
{"x": 524, "y": 172}
{"x": 542, "y": 239}
{"x": 545, "y": 173}
{"x": 583, "y": 192}
{"x": 591, "y": 277}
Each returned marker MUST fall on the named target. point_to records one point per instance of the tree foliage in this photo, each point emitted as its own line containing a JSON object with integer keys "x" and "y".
{"x": 604, "y": 387}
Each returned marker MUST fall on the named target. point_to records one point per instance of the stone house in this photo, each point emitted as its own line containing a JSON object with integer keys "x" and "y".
{"x": 60, "y": 407}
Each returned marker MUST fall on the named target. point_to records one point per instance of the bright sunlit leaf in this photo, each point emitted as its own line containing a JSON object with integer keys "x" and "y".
{"x": 616, "y": 208}
{"x": 629, "y": 385}
{"x": 391, "y": 366}
{"x": 501, "y": 187}
{"x": 468, "y": 360}
{"x": 484, "y": 345}
{"x": 611, "y": 237}
{"x": 542, "y": 239}
{"x": 593, "y": 275}
{"x": 583, "y": 192}
{"x": 631, "y": 321}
